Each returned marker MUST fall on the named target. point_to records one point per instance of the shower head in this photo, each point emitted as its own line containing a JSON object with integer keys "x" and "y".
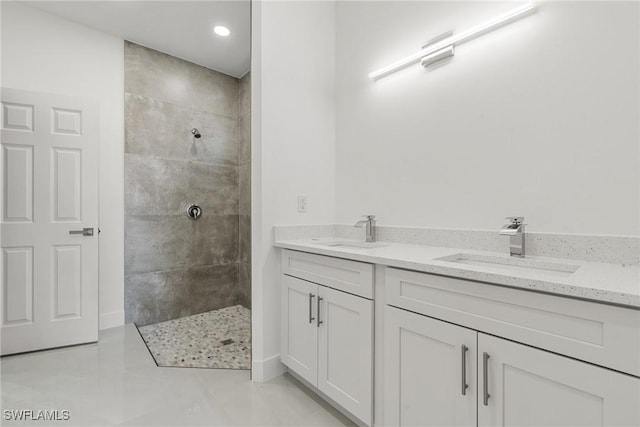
{"x": 196, "y": 132}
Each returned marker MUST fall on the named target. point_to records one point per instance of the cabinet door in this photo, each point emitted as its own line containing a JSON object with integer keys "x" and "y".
{"x": 299, "y": 340}
{"x": 531, "y": 387}
{"x": 425, "y": 369}
{"x": 345, "y": 344}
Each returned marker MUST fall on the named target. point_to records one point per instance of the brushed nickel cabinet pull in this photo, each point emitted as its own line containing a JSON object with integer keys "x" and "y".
{"x": 464, "y": 370}
{"x": 311, "y": 318}
{"x": 485, "y": 379}
{"x": 319, "y": 321}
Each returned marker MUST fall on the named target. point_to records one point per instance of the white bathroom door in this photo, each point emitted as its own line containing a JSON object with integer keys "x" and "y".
{"x": 49, "y": 184}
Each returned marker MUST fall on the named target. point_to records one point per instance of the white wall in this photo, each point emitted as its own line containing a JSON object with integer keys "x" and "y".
{"x": 292, "y": 146}
{"x": 539, "y": 118}
{"x": 44, "y": 53}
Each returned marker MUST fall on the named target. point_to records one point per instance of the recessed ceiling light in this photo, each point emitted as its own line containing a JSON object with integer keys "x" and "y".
{"x": 221, "y": 30}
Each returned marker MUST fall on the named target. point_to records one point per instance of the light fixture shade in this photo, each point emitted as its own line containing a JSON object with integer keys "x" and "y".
{"x": 456, "y": 39}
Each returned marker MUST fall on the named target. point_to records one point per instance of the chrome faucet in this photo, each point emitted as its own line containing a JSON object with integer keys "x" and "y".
{"x": 515, "y": 231}
{"x": 370, "y": 223}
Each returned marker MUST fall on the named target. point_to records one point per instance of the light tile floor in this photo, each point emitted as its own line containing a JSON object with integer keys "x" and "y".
{"x": 197, "y": 341}
{"x": 116, "y": 383}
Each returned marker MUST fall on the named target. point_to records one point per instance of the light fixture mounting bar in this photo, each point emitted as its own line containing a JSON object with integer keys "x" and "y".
{"x": 438, "y": 38}
{"x": 438, "y": 55}
{"x": 456, "y": 39}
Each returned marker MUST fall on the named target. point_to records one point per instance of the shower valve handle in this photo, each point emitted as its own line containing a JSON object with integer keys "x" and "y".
{"x": 194, "y": 211}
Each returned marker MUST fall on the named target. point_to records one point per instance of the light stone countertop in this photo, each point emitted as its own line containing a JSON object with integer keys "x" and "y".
{"x": 608, "y": 283}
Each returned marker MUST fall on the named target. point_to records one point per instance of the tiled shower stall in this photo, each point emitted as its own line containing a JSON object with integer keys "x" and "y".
{"x": 176, "y": 266}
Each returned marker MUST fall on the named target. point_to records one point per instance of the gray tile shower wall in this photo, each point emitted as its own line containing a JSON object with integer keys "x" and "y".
{"x": 244, "y": 152}
{"x": 175, "y": 266}
{"x": 179, "y": 293}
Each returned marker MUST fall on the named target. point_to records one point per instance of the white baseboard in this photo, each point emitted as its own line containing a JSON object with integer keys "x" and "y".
{"x": 268, "y": 369}
{"x": 111, "y": 320}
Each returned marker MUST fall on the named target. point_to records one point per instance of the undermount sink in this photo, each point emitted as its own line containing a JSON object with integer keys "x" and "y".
{"x": 350, "y": 244}
{"x": 516, "y": 265}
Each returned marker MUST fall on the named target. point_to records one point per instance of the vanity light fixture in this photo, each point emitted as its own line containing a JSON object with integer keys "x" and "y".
{"x": 441, "y": 48}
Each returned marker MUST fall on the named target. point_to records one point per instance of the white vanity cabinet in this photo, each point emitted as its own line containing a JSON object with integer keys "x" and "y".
{"x": 299, "y": 330}
{"x": 528, "y": 386}
{"x": 327, "y": 333}
{"x": 508, "y": 383}
{"x": 430, "y": 369}
{"x": 438, "y": 373}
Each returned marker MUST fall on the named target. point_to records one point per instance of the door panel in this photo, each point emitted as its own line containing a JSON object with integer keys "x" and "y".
{"x": 67, "y": 265}
{"x": 528, "y": 387}
{"x": 66, "y": 122}
{"x": 18, "y": 183}
{"x": 424, "y": 371}
{"x": 18, "y": 294}
{"x": 66, "y": 185}
{"x": 345, "y": 344}
{"x": 49, "y": 188}
{"x": 18, "y": 117}
{"x": 299, "y": 338}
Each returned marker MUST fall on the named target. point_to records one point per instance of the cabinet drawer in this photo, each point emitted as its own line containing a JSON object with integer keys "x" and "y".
{"x": 349, "y": 276}
{"x": 598, "y": 333}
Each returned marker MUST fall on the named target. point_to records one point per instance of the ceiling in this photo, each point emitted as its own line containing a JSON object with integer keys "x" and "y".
{"x": 180, "y": 28}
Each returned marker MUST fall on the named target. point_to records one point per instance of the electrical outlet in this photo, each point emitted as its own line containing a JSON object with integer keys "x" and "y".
{"x": 302, "y": 204}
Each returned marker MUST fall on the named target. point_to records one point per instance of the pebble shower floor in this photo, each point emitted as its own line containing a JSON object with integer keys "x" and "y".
{"x": 216, "y": 339}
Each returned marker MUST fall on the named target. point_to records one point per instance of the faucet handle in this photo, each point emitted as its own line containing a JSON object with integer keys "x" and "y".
{"x": 369, "y": 217}
{"x": 515, "y": 219}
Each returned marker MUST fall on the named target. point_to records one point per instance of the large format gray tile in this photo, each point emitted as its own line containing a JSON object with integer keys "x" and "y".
{"x": 244, "y": 95}
{"x": 155, "y": 297}
{"x": 244, "y": 284}
{"x": 244, "y": 180}
{"x": 219, "y": 140}
{"x": 244, "y": 139}
{"x": 212, "y": 288}
{"x": 244, "y": 238}
{"x": 166, "y": 187}
{"x": 157, "y": 75}
{"x": 159, "y": 296}
{"x": 159, "y": 128}
{"x": 217, "y": 242}
{"x": 157, "y": 243}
